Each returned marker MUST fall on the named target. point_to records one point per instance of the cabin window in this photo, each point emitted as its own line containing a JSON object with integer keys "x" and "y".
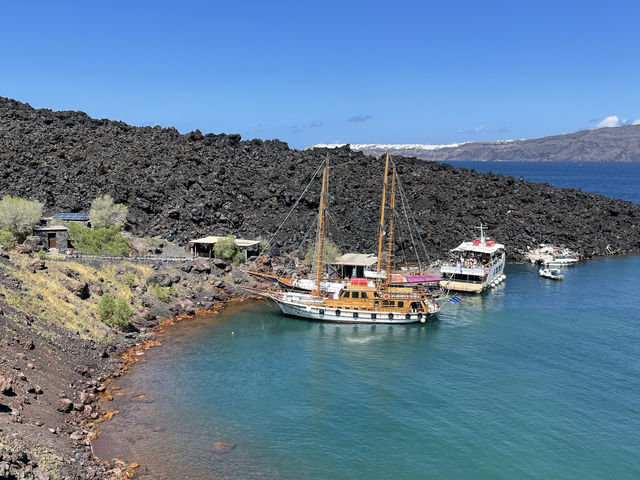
{"x": 407, "y": 316}
{"x": 363, "y": 295}
{"x": 355, "y": 295}
{"x": 376, "y": 303}
{"x": 392, "y": 303}
{"x": 401, "y": 304}
{"x": 337, "y": 313}
{"x": 373, "y": 316}
{"x": 355, "y": 314}
{"x": 391, "y": 315}
{"x": 346, "y": 295}
{"x": 321, "y": 312}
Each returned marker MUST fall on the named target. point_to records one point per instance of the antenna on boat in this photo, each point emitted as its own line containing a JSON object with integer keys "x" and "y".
{"x": 384, "y": 201}
{"x": 482, "y": 239}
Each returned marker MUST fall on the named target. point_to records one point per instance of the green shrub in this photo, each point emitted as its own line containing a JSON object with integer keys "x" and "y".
{"x": 42, "y": 254}
{"x": 106, "y": 306}
{"x": 121, "y": 314}
{"x": 114, "y": 313}
{"x": 331, "y": 253}
{"x": 18, "y": 216}
{"x": 104, "y": 213}
{"x": 7, "y": 239}
{"x": 164, "y": 293}
{"x": 264, "y": 247}
{"x": 238, "y": 258}
{"x": 225, "y": 248}
{"x": 131, "y": 280}
{"x": 101, "y": 241}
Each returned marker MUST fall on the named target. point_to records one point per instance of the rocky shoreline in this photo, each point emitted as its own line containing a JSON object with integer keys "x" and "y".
{"x": 54, "y": 381}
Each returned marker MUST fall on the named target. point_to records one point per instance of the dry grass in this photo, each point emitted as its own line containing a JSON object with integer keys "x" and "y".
{"x": 44, "y": 295}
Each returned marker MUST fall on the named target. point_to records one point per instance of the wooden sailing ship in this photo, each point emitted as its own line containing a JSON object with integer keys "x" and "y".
{"x": 361, "y": 300}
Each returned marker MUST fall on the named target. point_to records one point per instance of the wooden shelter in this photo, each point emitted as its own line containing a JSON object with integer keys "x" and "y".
{"x": 203, "y": 247}
{"x": 351, "y": 265}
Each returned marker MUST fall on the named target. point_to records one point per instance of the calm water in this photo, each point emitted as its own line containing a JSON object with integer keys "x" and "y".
{"x": 538, "y": 379}
{"x": 616, "y": 180}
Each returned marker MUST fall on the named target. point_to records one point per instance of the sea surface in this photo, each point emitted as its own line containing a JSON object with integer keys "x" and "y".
{"x": 534, "y": 379}
{"x": 615, "y": 180}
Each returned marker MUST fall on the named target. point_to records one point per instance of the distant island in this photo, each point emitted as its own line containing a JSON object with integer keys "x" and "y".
{"x": 613, "y": 144}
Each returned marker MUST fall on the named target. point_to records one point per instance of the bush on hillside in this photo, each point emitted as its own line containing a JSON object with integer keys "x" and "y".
{"x": 18, "y": 216}
{"x": 114, "y": 313}
{"x": 331, "y": 253}
{"x": 164, "y": 293}
{"x": 101, "y": 241}
{"x": 104, "y": 213}
{"x": 7, "y": 239}
{"x": 238, "y": 258}
{"x": 225, "y": 248}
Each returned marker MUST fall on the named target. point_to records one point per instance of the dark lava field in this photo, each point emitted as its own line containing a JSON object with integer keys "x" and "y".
{"x": 186, "y": 186}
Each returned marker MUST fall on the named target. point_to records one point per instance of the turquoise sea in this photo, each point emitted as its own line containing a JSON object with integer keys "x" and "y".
{"x": 536, "y": 379}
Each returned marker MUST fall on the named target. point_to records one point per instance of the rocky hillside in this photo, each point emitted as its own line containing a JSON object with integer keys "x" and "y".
{"x": 187, "y": 186}
{"x": 615, "y": 144}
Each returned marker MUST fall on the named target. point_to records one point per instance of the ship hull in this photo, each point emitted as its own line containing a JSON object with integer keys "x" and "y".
{"x": 490, "y": 279}
{"x": 324, "y": 314}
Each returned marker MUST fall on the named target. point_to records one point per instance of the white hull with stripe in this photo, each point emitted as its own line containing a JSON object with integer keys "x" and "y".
{"x": 321, "y": 313}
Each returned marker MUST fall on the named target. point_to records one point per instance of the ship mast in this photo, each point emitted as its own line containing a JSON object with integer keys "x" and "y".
{"x": 390, "y": 240}
{"x": 384, "y": 200}
{"x": 321, "y": 229}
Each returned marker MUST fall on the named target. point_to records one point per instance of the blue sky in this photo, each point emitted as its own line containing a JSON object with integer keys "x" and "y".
{"x": 323, "y": 72}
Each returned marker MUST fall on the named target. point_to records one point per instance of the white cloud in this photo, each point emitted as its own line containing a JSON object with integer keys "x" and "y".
{"x": 479, "y": 128}
{"x": 636, "y": 122}
{"x": 610, "y": 121}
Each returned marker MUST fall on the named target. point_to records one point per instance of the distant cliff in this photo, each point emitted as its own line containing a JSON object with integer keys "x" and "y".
{"x": 187, "y": 186}
{"x": 615, "y": 144}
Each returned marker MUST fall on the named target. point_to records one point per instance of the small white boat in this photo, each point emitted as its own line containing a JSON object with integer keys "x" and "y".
{"x": 559, "y": 260}
{"x": 552, "y": 273}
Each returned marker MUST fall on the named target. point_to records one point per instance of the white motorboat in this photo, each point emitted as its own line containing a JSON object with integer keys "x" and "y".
{"x": 559, "y": 260}
{"x": 551, "y": 273}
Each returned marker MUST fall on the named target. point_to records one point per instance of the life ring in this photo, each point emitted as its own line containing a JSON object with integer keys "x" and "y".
{"x": 314, "y": 291}
{"x": 385, "y": 296}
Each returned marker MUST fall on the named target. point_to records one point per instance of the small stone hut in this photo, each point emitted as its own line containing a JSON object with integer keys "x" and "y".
{"x": 54, "y": 236}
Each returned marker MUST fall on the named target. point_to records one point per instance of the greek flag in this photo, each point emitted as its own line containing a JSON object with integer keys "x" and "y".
{"x": 454, "y": 299}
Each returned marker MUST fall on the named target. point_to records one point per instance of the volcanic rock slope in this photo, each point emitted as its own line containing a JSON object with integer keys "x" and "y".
{"x": 186, "y": 186}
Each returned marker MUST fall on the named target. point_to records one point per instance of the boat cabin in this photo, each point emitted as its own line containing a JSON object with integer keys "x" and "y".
{"x": 351, "y": 265}
{"x": 360, "y": 297}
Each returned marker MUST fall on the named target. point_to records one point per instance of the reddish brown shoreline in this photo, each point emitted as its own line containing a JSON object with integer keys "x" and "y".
{"x": 128, "y": 358}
